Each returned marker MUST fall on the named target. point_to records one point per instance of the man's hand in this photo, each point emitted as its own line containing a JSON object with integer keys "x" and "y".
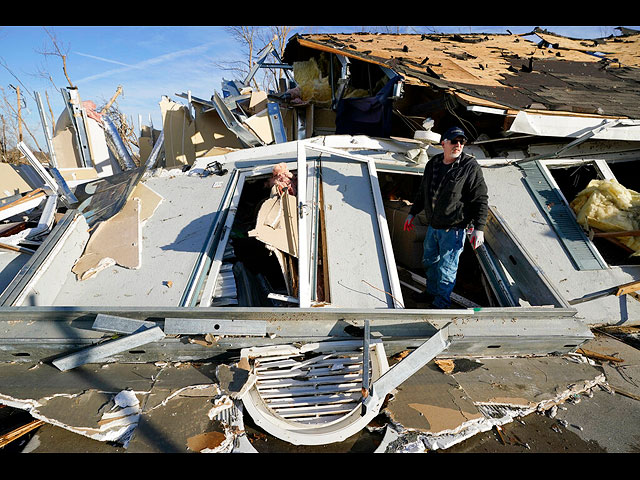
{"x": 476, "y": 237}
{"x": 408, "y": 224}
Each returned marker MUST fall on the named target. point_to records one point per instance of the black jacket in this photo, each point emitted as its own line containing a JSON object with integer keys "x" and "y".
{"x": 462, "y": 199}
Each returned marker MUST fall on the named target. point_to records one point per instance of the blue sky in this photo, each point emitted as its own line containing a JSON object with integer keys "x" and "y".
{"x": 151, "y": 61}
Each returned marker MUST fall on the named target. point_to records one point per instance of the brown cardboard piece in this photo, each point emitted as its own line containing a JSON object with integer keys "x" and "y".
{"x": 407, "y": 246}
{"x": 277, "y": 224}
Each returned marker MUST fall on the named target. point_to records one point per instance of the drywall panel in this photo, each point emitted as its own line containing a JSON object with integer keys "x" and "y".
{"x": 117, "y": 238}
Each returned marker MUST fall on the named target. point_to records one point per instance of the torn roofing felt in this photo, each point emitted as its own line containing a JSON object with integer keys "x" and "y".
{"x": 504, "y": 71}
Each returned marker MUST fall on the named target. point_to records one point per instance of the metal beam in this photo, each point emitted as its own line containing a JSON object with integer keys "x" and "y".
{"x": 409, "y": 365}
{"x": 78, "y": 118}
{"x": 29, "y": 334}
{"x": 200, "y": 326}
{"x": 47, "y": 132}
{"x": 98, "y": 353}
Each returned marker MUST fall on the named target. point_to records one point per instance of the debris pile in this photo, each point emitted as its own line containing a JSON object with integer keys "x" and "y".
{"x": 267, "y": 225}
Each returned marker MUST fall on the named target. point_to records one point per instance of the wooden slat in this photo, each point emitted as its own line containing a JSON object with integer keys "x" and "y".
{"x": 628, "y": 288}
{"x": 19, "y": 432}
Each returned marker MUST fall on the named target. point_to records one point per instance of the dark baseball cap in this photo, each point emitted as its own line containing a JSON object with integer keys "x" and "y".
{"x": 454, "y": 132}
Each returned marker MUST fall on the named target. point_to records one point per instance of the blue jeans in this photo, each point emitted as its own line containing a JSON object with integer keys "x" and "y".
{"x": 442, "y": 249}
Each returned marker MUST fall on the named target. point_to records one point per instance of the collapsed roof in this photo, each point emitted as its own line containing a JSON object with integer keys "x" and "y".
{"x": 505, "y": 71}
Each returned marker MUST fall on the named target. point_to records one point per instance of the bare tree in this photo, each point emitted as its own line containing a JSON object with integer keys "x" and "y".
{"x": 58, "y": 50}
{"x": 246, "y": 37}
{"x": 16, "y": 123}
{"x": 252, "y": 39}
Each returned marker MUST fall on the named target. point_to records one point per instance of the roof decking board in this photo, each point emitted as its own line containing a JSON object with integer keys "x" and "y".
{"x": 494, "y": 68}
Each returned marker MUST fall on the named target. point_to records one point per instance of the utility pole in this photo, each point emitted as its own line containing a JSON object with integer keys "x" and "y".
{"x": 19, "y": 114}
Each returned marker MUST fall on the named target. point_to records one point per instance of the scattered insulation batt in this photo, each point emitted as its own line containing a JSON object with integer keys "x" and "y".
{"x": 313, "y": 85}
{"x": 609, "y": 207}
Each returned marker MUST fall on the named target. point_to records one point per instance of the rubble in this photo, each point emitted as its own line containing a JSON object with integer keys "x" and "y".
{"x": 269, "y": 225}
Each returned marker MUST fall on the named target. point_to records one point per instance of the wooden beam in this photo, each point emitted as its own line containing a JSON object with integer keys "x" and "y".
{"x": 598, "y": 356}
{"x": 626, "y": 233}
{"x": 628, "y": 288}
{"x": 19, "y": 432}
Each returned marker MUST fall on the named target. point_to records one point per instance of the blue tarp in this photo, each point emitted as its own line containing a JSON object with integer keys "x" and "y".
{"x": 367, "y": 115}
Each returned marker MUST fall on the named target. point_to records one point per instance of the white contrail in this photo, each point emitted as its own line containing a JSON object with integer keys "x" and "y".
{"x": 152, "y": 61}
{"x": 105, "y": 59}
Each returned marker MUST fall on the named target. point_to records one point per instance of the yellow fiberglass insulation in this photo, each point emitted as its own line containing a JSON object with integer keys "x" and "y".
{"x": 313, "y": 85}
{"x": 610, "y": 207}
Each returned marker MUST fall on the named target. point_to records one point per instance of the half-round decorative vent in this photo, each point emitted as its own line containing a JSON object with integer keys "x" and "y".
{"x": 313, "y": 394}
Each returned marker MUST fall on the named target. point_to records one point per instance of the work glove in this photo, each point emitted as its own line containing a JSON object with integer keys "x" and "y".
{"x": 408, "y": 224}
{"x": 476, "y": 237}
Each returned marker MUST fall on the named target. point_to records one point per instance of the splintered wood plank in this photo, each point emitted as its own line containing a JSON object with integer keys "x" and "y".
{"x": 628, "y": 288}
{"x": 7, "y": 438}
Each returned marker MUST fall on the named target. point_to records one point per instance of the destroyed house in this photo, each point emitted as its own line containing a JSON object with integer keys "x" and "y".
{"x": 269, "y": 226}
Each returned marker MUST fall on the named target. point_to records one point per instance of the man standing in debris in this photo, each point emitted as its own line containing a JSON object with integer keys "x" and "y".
{"x": 453, "y": 195}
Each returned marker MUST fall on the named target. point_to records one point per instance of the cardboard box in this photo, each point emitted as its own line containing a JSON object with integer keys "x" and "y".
{"x": 407, "y": 246}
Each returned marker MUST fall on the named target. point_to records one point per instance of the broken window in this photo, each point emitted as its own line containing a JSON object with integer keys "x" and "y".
{"x": 607, "y": 209}
{"x": 499, "y": 274}
{"x": 398, "y": 191}
{"x": 335, "y": 215}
